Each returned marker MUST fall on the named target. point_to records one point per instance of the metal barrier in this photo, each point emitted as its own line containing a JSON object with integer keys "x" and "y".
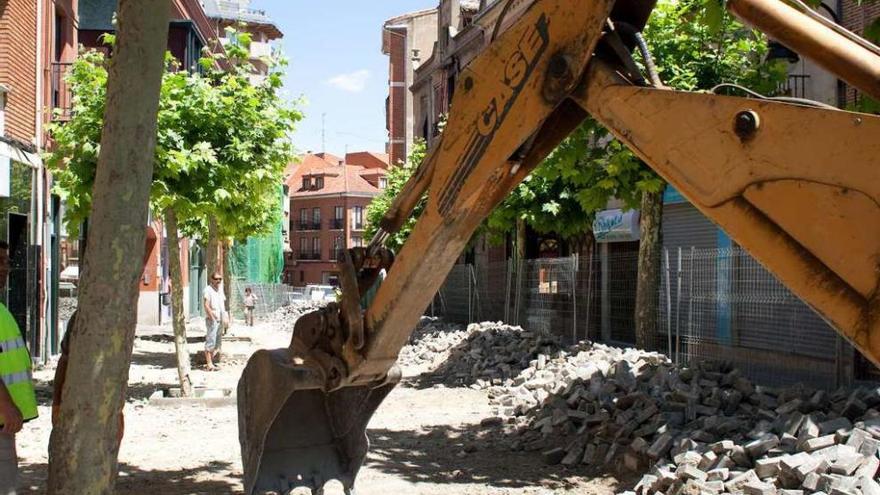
{"x": 714, "y": 304}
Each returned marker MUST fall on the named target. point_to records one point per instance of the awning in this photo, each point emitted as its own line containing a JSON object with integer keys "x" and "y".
{"x": 14, "y": 153}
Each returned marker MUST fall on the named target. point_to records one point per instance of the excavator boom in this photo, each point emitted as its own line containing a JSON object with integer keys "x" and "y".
{"x": 797, "y": 185}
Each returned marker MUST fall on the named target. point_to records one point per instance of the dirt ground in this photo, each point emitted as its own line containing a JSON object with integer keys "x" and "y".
{"x": 426, "y": 440}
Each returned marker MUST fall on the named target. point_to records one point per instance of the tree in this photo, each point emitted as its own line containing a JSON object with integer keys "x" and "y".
{"x": 83, "y": 449}
{"x": 397, "y": 177}
{"x": 223, "y": 145}
{"x": 696, "y": 45}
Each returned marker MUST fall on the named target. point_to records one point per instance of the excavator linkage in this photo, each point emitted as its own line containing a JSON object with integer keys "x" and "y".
{"x": 796, "y": 184}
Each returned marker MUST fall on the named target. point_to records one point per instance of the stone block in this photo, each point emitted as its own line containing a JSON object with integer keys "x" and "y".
{"x": 767, "y": 467}
{"x": 735, "y": 484}
{"x": 869, "y": 486}
{"x": 819, "y": 443}
{"x": 718, "y": 474}
{"x": 758, "y": 488}
{"x": 759, "y": 447}
{"x": 708, "y": 461}
{"x": 690, "y": 472}
{"x": 835, "y": 425}
{"x": 857, "y": 438}
{"x": 868, "y": 469}
{"x": 846, "y": 465}
{"x": 554, "y": 456}
{"x": 811, "y": 482}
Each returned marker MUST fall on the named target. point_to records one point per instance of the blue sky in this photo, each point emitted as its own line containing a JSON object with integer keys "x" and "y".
{"x": 336, "y": 63}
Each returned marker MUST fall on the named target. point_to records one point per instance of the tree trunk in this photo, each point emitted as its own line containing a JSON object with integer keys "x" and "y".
{"x": 227, "y": 276}
{"x": 177, "y": 319}
{"x": 83, "y": 448}
{"x": 520, "y": 239}
{"x": 213, "y": 259}
{"x": 649, "y": 270}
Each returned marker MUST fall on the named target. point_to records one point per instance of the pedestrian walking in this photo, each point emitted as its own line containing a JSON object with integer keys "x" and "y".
{"x": 215, "y": 309}
{"x": 18, "y": 401}
{"x": 250, "y": 302}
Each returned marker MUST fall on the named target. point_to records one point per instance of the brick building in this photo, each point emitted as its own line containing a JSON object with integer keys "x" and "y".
{"x": 35, "y": 37}
{"x": 328, "y": 200}
{"x": 407, "y": 40}
{"x": 857, "y": 17}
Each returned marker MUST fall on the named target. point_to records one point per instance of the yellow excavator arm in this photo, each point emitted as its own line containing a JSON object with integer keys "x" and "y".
{"x": 797, "y": 185}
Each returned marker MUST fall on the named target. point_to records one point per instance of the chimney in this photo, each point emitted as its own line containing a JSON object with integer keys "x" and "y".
{"x": 341, "y": 162}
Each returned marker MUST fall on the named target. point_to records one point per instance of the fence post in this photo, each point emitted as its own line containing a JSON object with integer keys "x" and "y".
{"x": 678, "y": 312}
{"x": 690, "y": 325}
{"x": 668, "y": 307}
{"x": 508, "y": 278}
{"x": 574, "y": 327}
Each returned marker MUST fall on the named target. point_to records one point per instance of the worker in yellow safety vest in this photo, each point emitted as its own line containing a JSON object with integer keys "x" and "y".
{"x": 18, "y": 403}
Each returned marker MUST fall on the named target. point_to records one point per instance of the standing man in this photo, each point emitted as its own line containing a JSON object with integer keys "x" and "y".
{"x": 18, "y": 402}
{"x": 215, "y": 307}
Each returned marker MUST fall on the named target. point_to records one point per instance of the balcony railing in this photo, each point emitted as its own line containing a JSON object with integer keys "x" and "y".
{"x": 309, "y": 225}
{"x": 337, "y": 224}
{"x": 357, "y": 226}
{"x": 308, "y": 255}
{"x": 337, "y": 254}
{"x": 795, "y": 86}
{"x": 62, "y": 98}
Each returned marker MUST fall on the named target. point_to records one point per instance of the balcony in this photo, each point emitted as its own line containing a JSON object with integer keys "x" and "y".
{"x": 337, "y": 224}
{"x": 260, "y": 49}
{"x": 62, "y": 98}
{"x": 309, "y": 226}
{"x": 308, "y": 255}
{"x": 795, "y": 86}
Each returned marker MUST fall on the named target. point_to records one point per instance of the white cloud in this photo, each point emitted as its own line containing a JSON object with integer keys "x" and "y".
{"x": 353, "y": 82}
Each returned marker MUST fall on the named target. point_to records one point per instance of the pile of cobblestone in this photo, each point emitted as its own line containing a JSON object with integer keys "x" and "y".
{"x": 704, "y": 429}
{"x": 483, "y": 355}
{"x": 284, "y": 318}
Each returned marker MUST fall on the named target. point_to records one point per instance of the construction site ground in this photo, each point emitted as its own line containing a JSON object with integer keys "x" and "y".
{"x": 426, "y": 439}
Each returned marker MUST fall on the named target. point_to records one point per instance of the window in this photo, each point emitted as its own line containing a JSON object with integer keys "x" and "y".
{"x": 316, "y": 218}
{"x": 338, "y": 212}
{"x": 307, "y": 183}
{"x": 302, "y": 276}
{"x": 316, "y": 247}
{"x": 357, "y": 218}
{"x": 303, "y": 247}
{"x": 383, "y": 183}
{"x": 337, "y": 247}
{"x": 319, "y": 182}
{"x": 357, "y": 241}
{"x": 303, "y": 219}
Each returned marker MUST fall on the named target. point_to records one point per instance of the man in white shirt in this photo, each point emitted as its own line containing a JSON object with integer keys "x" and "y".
{"x": 215, "y": 306}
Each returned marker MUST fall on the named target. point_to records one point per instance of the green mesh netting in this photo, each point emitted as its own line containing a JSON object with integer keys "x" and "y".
{"x": 260, "y": 259}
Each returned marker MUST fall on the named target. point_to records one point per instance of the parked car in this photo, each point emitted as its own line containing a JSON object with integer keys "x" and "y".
{"x": 320, "y": 293}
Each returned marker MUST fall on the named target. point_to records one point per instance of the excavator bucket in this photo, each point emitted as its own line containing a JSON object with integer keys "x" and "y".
{"x": 294, "y": 434}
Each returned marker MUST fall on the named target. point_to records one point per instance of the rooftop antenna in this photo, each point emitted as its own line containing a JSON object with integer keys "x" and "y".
{"x": 323, "y": 141}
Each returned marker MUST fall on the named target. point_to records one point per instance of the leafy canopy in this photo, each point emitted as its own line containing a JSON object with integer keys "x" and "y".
{"x": 222, "y": 147}
{"x": 398, "y": 175}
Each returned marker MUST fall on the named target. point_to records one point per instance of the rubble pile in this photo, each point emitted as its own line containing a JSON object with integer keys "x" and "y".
{"x": 483, "y": 355}
{"x": 700, "y": 430}
{"x": 284, "y": 318}
{"x": 66, "y": 307}
{"x": 705, "y": 429}
{"x": 431, "y": 342}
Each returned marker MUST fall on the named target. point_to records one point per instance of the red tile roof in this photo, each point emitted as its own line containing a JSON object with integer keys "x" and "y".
{"x": 367, "y": 159}
{"x": 338, "y": 178}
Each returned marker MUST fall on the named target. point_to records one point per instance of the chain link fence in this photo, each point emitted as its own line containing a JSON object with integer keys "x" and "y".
{"x": 713, "y": 304}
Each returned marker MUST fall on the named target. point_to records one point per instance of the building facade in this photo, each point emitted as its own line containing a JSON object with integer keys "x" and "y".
{"x": 328, "y": 201}
{"x": 407, "y": 40}
{"x": 37, "y": 38}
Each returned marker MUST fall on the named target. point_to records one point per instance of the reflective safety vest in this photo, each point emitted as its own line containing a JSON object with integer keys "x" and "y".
{"x": 15, "y": 367}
